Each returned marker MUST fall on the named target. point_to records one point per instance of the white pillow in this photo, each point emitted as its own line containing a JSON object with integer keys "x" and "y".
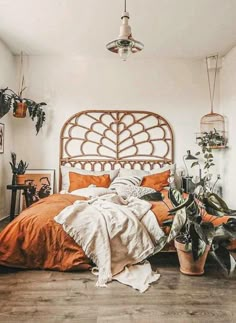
{"x": 125, "y": 181}
{"x": 66, "y": 169}
{"x": 131, "y": 190}
{"x": 132, "y": 172}
{"x": 92, "y": 191}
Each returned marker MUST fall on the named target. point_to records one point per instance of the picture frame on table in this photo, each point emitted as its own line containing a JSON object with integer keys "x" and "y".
{"x": 41, "y": 182}
{"x": 2, "y": 138}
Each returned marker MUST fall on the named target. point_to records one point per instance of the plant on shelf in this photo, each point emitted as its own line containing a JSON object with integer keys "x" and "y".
{"x": 211, "y": 139}
{"x": 10, "y": 100}
{"x": 195, "y": 237}
{"x": 18, "y": 169}
{"x": 212, "y": 202}
{"x": 208, "y": 160}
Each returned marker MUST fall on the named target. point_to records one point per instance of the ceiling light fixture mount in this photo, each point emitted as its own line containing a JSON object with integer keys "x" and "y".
{"x": 125, "y": 44}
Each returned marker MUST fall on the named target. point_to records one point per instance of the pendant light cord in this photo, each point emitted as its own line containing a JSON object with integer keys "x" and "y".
{"x": 125, "y": 6}
{"x": 212, "y": 91}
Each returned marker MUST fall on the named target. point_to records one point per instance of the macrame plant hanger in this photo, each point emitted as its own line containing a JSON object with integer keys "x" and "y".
{"x": 20, "y": 107}
{"x": 213, "y": 124}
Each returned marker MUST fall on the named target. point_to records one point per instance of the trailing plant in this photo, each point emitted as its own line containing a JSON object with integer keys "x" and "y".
{"x": 211, "y": 139}
{"x": 17, "y": 168}
{"x": 212, "y": 202}
{"x": 9, "y": 100}
{"x": 206, "y": 151}
{"x": 189, "y": 227}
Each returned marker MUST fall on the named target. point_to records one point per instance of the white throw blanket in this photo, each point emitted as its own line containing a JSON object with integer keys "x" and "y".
{"x": 113, "y": 232}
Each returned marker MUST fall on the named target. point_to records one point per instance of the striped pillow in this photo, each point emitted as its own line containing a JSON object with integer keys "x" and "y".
{"x": 132, "y": 190}
{"x": 125, "y": 181}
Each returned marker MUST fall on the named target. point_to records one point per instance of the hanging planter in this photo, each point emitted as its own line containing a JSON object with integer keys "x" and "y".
{"x": 212, "y": 125}
{"x": 10, "y": 100}
{"x": 19, "y": 110}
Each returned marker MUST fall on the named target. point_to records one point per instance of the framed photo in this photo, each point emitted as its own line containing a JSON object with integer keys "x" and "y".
{"x": 1, "y": 138}
{"x": 41, "y": 182}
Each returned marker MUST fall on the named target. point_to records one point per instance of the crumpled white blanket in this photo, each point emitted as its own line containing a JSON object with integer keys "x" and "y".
{"x": 113, "y": 232}
{"x": 138, "y": 276}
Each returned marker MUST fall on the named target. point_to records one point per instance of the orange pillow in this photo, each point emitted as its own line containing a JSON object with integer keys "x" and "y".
{"x": 81, "y": 181}
{"x": 157, "y": 181}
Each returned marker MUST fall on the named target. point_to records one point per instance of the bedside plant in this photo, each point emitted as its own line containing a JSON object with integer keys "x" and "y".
{"x": 10, "y": 100}
{"x": 18, "y": 170}
{"x": 196, "y": 237}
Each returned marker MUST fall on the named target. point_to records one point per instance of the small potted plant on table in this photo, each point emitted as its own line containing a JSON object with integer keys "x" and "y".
{"x": 18, "y": 170}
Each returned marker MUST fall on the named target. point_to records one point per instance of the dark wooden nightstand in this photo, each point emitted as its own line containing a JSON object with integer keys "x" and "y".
{"x": 187, "y": 185}
{"x": 14, "y": 189}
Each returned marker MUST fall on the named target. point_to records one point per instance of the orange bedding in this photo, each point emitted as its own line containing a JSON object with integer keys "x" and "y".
{"x": 35, "y": 240}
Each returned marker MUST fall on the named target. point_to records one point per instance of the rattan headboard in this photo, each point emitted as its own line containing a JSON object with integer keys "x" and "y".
{"x": 104, "y": 140}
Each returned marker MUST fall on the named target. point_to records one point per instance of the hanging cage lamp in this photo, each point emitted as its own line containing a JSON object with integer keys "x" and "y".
{"x": 212, "y": 125}
{"x": 125, "y": 44}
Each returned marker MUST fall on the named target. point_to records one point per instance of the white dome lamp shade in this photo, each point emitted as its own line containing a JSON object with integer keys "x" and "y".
{"x": 125, "y": 44}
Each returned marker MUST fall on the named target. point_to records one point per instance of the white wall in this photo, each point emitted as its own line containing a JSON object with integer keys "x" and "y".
{"x": 228, "y": 108}
{"x": 7, "y": 78}
{"x": 174, "y": 88}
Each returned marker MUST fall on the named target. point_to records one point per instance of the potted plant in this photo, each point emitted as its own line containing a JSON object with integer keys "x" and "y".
{"x": 194, "y": 237}
{"x": 18, "y": 170}
{"x": 10, "y": 100}
{"x": 213, "y": 203}
{"x": 211, "y": 139}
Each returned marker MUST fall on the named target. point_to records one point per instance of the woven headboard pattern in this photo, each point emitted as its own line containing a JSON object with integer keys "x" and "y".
{"x": 107, "y": 139}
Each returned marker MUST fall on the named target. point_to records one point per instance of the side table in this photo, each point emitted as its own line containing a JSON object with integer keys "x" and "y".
{"x": 14, "y": 189}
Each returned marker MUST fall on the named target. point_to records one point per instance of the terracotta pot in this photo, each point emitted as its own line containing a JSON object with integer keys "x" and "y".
{"x": 187, "y": 265}
{"x": 20, "y": 179}
{"x": 20, "y": 110}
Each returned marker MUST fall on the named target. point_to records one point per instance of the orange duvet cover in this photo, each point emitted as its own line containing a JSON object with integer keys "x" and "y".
{"x": 34, "y": 240}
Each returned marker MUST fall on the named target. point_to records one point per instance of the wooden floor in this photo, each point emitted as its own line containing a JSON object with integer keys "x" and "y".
{"x": 46, "y": 296}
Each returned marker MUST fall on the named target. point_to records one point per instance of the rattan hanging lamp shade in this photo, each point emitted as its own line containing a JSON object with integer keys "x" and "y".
{"x": 213, "y": 122}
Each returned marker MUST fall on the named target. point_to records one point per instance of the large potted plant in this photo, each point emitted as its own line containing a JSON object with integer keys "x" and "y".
{"x": 18, "y": 170}
{"x": 195, "y": 237}
{"x": 10, "y": 100}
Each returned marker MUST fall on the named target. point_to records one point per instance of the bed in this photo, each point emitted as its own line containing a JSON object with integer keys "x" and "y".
{"x": 93, "y": 144}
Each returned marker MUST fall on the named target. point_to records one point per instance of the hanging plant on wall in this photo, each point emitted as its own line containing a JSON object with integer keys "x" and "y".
{"x": 19, "y": 104}
{"x": 10, "y": 100}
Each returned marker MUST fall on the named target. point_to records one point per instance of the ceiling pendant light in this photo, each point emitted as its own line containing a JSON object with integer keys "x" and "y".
{"x": 124, "y": 45}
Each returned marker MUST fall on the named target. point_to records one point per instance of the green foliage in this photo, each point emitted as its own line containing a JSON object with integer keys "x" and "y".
{"x": 188, "y": 227}
{"x": 211, "y": 139}
{"x": 206, "y": 141}
{"x": 9, "y": 100}
{"x": 17, "y": 168}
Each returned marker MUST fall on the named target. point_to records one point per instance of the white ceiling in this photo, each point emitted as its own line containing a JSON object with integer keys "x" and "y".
{"x": 168, "y": 28}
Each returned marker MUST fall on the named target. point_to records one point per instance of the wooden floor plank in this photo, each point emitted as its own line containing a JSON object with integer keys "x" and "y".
{"x": 45, "y": 296}
{"x": 34, "y": 296}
